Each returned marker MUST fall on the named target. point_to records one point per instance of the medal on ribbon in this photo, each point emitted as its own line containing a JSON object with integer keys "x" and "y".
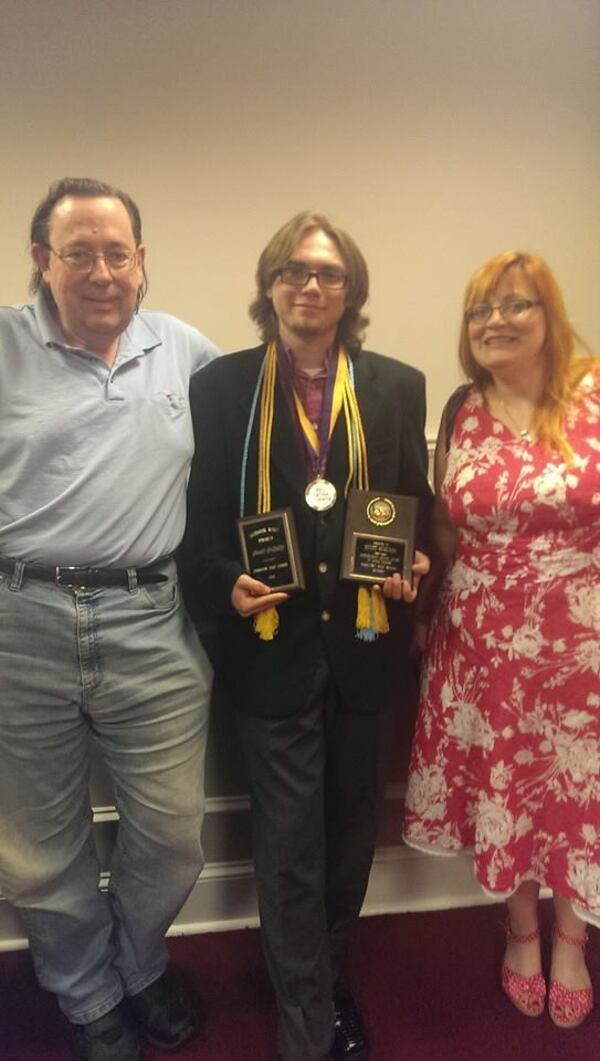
{"x": 320, "y": 493}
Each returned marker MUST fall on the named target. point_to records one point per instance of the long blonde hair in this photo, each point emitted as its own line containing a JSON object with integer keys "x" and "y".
{"x": 567, "y": 356}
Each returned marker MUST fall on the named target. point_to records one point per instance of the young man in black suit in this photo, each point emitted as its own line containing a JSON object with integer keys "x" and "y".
{"x": 292, "y": 424}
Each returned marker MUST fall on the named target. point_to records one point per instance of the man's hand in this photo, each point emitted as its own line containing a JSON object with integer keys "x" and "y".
{"x": 250, "y": 596}
{"x": 397, "y": 588}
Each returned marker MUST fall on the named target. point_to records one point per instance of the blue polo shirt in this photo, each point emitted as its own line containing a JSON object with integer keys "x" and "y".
{"x": 94, "y": 460}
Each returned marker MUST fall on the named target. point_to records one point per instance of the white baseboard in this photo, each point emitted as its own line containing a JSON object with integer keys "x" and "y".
{"x": 224, "y": 898}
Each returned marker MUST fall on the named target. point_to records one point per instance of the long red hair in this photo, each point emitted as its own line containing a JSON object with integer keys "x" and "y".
{"x": 568, "y": 358}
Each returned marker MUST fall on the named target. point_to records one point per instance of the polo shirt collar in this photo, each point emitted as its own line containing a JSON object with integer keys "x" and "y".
{"x": 49, "y": 330}
{"x": 138, "y": 338}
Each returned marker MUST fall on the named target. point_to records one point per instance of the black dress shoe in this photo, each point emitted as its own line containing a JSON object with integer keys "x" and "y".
{"x": 163, "y": 1012}
{"x": 110, "y": 1038}
{"x": 350, "y": 1042}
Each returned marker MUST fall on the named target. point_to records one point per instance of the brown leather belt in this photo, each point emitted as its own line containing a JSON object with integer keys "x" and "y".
{"x": 89, "y": 576}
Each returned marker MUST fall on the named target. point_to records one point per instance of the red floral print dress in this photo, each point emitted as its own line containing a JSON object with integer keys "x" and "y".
{"x": 506, "y": 755}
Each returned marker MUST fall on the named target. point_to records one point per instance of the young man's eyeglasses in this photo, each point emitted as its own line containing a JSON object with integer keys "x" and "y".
{"x": 299, "y": 275}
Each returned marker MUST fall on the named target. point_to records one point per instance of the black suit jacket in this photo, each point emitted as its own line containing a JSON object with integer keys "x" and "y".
{"x": 275, "y": 678}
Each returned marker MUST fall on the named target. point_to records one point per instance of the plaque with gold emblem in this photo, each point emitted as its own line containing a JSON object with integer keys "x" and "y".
{"x": 379, "y": 536}
{"x": 270, "y": 551}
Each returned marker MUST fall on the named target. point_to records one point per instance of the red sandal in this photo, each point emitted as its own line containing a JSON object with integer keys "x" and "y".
{"x": 527, "y": 993}
{"x": 568, "y": 1009}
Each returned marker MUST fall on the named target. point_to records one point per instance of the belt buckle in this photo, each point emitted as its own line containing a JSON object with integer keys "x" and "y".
{"x": 62, "y": 580}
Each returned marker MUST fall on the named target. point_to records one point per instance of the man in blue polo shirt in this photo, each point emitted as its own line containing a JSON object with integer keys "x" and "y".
{"x": 95, "y": 444}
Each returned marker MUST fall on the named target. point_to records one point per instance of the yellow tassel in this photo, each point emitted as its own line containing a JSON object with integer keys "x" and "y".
{"x": 381, "y": 617}
{"x": 371, "y": 615}
{"x": 363, "y": 609}
{"x": 266, "y": 624}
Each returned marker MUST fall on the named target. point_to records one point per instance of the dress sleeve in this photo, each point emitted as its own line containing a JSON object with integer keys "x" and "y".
{"x": 442, "y": 529}
{"x": 414, "y": 462}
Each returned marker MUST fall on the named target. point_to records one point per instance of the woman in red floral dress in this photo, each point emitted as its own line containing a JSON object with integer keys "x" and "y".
{"x": 506, "y": 756}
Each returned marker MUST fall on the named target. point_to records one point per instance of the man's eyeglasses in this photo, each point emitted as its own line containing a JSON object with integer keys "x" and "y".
{"x": 510, "y": 309}
{"x": 298, "y": 275}
{"x": 117, "y": 260}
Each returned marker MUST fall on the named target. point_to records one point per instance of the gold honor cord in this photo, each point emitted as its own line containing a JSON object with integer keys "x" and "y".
{"x": 371, "y": 611}
{"x": 371, "y": 618}
{"x": 339, "y": 390}
{"x": 266, "y": 623}
{"x": 267, "y": 405}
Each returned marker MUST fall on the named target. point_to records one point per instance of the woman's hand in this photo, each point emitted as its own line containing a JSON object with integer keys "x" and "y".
{"x": 397, "y": 588}
{"x": 250, "y": 596}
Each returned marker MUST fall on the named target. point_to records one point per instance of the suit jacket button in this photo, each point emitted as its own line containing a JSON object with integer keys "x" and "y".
{"x": 325, "y": 616}
{"x": 322, "y": 568}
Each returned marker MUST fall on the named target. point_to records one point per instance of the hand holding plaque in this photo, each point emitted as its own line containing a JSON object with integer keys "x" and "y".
{"x": 379, "y": 536}
{"x": 270, "y": 551}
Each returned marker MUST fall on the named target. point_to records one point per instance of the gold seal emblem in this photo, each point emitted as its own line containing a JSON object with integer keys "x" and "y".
{"x": 381, "y": 511}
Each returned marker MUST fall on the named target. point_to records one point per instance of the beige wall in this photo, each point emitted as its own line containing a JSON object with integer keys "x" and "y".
{"x": 437, "y": 131}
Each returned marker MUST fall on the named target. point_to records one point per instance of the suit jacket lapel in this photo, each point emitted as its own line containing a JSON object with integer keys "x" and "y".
{"x": 368, "y": 395}
{"x": 287, "y": 448}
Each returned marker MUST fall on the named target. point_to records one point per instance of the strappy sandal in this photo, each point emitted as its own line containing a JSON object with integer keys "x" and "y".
{"x": 568, "y": 1009}
{"x": 527, "y": 993}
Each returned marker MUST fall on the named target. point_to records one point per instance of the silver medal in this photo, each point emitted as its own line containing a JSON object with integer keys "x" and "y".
{"x": 320, "y": 494}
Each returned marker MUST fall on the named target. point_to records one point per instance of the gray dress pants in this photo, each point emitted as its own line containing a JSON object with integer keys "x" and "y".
{"x": 312, "y": 778}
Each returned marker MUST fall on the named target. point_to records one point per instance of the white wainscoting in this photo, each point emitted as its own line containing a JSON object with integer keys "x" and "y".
{"x": 224, "y": 897}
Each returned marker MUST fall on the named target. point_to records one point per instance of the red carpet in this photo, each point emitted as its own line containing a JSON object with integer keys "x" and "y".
{"x": 428, "y": 985}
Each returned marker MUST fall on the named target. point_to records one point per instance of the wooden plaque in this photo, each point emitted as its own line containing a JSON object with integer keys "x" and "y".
{"x": 379, "y": 536}
{"x": 270, "y": 551}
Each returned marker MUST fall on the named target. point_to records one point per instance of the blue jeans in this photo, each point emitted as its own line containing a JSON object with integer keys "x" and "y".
{"x": 124, "y": 666}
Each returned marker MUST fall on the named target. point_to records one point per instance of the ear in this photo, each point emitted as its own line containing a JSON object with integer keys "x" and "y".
{"x": 141, "y": 258}
{"x": 41, "y": 257}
